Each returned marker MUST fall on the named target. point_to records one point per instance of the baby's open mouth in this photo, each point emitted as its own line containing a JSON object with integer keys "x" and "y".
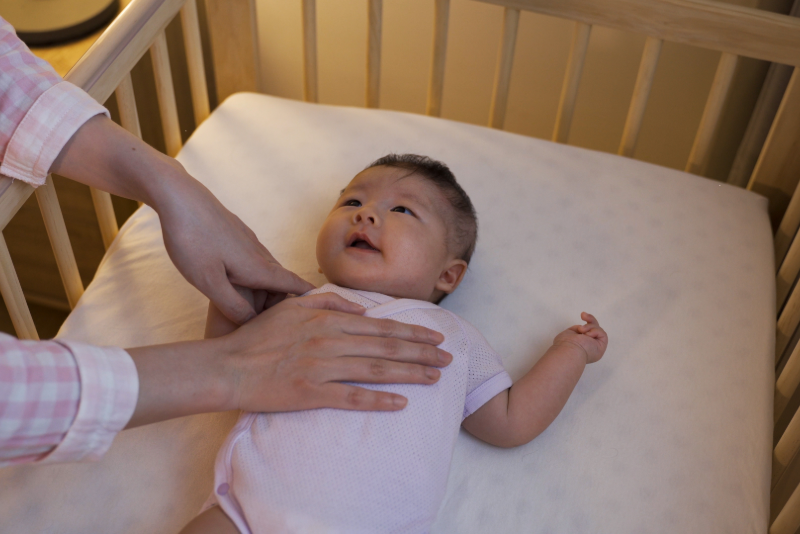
{"x": 360, "y": 243}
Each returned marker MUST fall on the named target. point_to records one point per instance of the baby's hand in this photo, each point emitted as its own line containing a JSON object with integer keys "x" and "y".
{"x": 260, "y": 299}
{"x": 589, "y": 337}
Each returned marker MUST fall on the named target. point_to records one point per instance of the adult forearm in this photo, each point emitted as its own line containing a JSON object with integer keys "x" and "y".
{"x": 179, "y": 379}
{"x": 105, "y": 156}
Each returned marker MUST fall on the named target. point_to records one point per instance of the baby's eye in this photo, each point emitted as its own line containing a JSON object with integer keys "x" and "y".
{"x": 402, "y": 209}
{"x": 353, "y": 202}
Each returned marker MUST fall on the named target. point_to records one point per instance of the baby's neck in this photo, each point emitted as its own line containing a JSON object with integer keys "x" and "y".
{"x": 381, "y": 290}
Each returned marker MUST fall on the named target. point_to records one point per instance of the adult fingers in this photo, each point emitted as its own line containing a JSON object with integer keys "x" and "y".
{"x": 329, "y": 301}
{"x": 378, "y": 371}
{"x": 228, "y": 300}
{"x": 369, "y": 326}
{"x": 387, "y": 348}
{"x": 269, "y": 276}
{"x": 350, "y": 322}
{"x": 348, "y": 397}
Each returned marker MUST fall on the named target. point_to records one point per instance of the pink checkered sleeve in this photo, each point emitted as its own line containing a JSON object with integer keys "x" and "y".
{"x": 39, "y": 111}
{"x": 62, "y": 401}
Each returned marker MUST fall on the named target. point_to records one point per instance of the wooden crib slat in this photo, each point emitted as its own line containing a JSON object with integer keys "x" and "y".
{"x": 787, "y": 382}
{"x": 711, "y": 114}
{"x": 786, "y": 449}
{"x": 117, "y": 50}
{"x": 788, "y": 519}
{"x": 641, "y": 92}
{"x": 194, "y": 60}
{"x": 233, "y": 46}
{"x": 502, "y": 80}
{"x": 13, "y": 194}
{"x": 126, "y": 102}
{"x": 11, "y": 290}
{"x": 572, "y": 79}
{"x": 759, "y": 124}
{"x": 787, "y": 322}
{"x": 777, "y": 164}
{"x": 166, "y": 94}
{"x": 310, "y": 51}
{"x": 436, "y": 84}
{"x": 104, "y": 208}
{"x": 375, "y": 16}
{"x": 787, "y": 274}
{"x": 129, "y": 119}
{"x": 714, "y": 25}
{"x": 59, "y": 240}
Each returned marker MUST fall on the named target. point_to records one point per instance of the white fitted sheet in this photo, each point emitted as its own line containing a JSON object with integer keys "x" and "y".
{"x": 670, "y": 432}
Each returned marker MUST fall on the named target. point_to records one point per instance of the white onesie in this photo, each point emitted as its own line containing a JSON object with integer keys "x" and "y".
{"x": 338, "y": 471}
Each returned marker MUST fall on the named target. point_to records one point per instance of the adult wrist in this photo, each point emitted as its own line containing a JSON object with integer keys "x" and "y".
{"x": 162, "y": 182}
{"x": 179, "y": 379}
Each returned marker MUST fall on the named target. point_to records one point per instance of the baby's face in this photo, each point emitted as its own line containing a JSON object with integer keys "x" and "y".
{"x": 387, "y": 233}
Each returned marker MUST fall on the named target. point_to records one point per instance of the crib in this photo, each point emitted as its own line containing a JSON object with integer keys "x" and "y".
{"x": 734, "y": 31}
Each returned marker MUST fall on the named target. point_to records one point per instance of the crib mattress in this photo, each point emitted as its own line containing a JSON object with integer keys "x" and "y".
{"x": 670, "y": 432}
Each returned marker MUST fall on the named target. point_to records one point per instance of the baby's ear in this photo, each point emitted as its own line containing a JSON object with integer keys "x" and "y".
{"x": 451, "y": 276}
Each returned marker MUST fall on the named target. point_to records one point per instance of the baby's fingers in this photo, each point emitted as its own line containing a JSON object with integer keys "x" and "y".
{"x": 596, "y": 333}
{"x": 589, "y": 318}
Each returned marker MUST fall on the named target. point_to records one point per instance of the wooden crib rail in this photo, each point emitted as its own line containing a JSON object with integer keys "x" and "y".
{"x": 704, "y": 23}
{"x": 735, "y": 31}
{"x": 732, "y": 30}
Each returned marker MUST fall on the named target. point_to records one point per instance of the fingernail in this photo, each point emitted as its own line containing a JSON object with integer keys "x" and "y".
{"x": 444, "y": 357}
{"x": 250, "y": 315}
{"x": 399, "y": 402}
{"x": 432, "y": 373}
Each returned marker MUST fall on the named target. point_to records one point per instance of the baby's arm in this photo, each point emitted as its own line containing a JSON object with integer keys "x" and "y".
{"x": 520, "y": 413}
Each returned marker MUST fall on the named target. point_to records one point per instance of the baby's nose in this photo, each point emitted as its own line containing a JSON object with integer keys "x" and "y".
{"x": 366, "y": 215}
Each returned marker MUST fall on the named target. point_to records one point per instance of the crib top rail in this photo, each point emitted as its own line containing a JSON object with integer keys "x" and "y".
{"x": 120, "y": 47}
{"x": 704, "y": 23}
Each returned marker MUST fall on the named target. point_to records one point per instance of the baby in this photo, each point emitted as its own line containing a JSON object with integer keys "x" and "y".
{"x": 397, "y": 241}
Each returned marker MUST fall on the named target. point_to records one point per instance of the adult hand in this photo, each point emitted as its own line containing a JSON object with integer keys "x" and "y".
{"x": 294, "y": 356}
{"x": 213, "y": 249}
{"x": 209, "y": 245}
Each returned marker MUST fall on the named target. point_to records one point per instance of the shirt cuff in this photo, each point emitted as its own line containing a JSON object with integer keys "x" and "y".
{"x": 486, "y": 392}
{"x": 109, "y": 389}
{"x": 47, "y": 126}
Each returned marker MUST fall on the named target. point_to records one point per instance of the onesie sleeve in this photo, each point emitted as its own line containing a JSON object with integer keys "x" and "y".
{"x": 487, "y": 377}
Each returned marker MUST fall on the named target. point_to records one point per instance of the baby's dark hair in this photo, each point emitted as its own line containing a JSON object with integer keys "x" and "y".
{"x": 465, "y": 221}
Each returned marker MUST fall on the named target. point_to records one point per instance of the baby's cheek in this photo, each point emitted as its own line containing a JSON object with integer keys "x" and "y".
{"x": 323, "y": 249}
